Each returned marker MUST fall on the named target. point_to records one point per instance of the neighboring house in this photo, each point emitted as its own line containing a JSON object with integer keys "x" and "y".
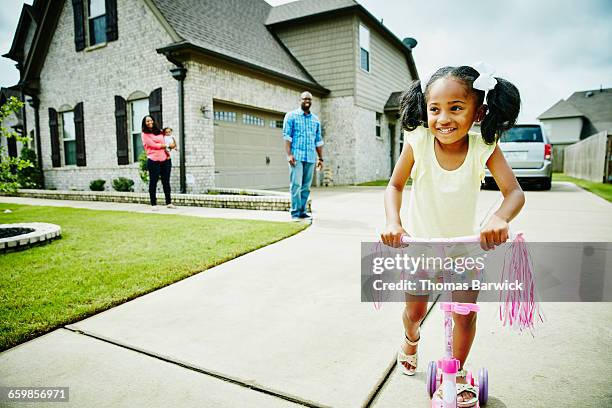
{"x": 222, "y": 73}
{"x": 583, "y": 114}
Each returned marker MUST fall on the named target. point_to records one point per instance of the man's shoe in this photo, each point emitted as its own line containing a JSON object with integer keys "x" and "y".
{"x": 295, "y": 219}
{"x": 154, "y": 208}
{"x": 306, "y": 216}
{"x": 171, "y": 206}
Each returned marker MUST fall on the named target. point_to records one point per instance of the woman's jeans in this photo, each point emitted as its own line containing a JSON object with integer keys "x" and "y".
{"x": 157, "y": 169}
{"x": 300, "y": 177}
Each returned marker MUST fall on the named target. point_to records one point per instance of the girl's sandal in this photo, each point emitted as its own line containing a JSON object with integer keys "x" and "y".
{"x": 463, "y": 388}
{"x": 410, "y": 359}
{"x": 466, "y": 388}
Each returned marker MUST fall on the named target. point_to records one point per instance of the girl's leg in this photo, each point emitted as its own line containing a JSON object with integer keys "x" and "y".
{"x": 463, "y": 334}
{"x": 412, "y": 316}
{"x": 154, "y": 170}
{"x": 166, "y": 168}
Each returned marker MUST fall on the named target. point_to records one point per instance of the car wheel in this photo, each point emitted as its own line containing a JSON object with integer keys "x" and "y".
{"x": 547, "y": 184}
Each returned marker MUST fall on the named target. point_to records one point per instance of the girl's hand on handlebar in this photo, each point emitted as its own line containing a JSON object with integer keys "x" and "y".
{"x": 494, "y": 233}
{"x": 392, "y": 235}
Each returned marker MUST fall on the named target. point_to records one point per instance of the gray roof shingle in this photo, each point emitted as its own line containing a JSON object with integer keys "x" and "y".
{"x": 299, "y": 9}
{"x": 595, "y": 105}
{"x": 561, "y": 109}
{"x": 234, "y": 28}
{"x": 393, "y": 103}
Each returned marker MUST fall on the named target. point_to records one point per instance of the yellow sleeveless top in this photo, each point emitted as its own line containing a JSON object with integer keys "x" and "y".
{"x": 442, "y": 203}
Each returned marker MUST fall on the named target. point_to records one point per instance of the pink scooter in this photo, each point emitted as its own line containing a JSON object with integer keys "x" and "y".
{"x": 442, "y": 374}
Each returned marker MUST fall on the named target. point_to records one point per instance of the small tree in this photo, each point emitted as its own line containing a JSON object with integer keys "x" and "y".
{"x": 11, "y": 167}
{"x": 30, "y": 177}
{"x": 143, "y": 170}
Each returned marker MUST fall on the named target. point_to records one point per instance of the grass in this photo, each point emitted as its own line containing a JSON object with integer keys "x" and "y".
{"x": 106, "y": 258}
{"x": 601, "y": 189}
{"x": 382, "y": 183}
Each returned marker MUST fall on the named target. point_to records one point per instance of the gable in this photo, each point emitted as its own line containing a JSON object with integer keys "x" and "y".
{"x": 234, "y": 29}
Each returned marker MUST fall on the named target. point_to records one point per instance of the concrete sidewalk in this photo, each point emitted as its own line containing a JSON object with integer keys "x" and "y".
{"x": 284, "y": 326}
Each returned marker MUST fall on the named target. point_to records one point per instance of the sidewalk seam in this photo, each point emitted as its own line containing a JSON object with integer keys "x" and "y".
{"x": 372, "y": 396}
{"x": 219, "y": 376}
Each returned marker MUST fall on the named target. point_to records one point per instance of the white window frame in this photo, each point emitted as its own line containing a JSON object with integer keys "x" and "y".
{"x": 88, "y": 22}
{"x": 252, "y": 120}
{"x": 63, "y": 122}
{"x": 225, "y": 116}
{"x": 135, "y": 132}
{"x": 364, "y": 46}
{"x": 378, "y": 121}
{"x": 276, "y": 124}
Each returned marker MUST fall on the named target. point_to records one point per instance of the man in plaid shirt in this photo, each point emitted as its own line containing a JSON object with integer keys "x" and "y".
{"x": 303, "y": 143}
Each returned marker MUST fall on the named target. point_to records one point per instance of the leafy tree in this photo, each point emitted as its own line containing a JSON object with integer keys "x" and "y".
{"x": 11, "y": 167}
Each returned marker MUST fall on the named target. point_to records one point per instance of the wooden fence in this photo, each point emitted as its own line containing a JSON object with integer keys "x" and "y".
{"x": 590, "y": 159}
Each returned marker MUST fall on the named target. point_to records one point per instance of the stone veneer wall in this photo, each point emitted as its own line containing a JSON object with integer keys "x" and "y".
{"x": 372, "y": 156}
{"x": 209, "y": 81}
{"x": 340, "y": 136}
{"x": 70, "y": 77}
{"x": 272, "y": 202}
{"x": 94, "y": 76}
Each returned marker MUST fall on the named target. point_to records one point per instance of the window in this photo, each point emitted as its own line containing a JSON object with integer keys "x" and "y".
{"x": 252, "y": 120}
{"x": 138, "y": 110}
{"x": 225, "y": 116}
{"x": 96, "y": 21}
{"x": 276, "y": 124}
{"x": 69, "y": 138}
{"x": 364, "y": 48}
{"x": 378, "y": 118}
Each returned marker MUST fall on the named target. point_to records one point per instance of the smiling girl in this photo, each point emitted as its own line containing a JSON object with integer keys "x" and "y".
{"x": 447, "y": 164}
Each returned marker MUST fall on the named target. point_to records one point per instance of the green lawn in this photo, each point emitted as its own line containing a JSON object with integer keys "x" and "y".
{"x": 381, "y": 183}
{"x": 601, "y": 189}
{"x": 105, "y": 258}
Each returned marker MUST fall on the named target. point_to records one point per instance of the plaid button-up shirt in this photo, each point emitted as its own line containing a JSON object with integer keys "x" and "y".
{"x": 304, "y": 133}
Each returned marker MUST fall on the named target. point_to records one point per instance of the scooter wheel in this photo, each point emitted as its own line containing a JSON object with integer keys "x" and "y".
{"x": 432, "y": 369}
{"x": 483, "y": 386}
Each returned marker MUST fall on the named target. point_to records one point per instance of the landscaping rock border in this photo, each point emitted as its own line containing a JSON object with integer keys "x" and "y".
{"x": 43, "y": 233}
{"x": 243, "y": 199}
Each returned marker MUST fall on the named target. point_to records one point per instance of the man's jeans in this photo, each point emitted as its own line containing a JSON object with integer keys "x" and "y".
{"x": 300, "y": 176}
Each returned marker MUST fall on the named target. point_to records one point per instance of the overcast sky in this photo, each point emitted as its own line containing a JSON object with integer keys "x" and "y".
{"x": 547, "y": 48}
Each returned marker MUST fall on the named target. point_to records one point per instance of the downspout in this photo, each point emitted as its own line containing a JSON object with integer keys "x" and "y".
{"x": 179, "y": 74}
{"x": 35, "y": 103}
{"x": 24, "y": 122}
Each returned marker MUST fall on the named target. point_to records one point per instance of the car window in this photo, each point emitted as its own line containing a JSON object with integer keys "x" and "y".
{"x": 523, "y": 134}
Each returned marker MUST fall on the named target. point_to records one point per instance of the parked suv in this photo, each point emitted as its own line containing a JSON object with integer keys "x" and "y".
{"x": 529, "y": 152}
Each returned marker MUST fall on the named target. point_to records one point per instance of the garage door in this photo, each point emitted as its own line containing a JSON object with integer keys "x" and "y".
{"x": 249, "y": 148}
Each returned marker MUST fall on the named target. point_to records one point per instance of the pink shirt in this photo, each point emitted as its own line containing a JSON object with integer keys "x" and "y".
{"x": 153, "y": 146}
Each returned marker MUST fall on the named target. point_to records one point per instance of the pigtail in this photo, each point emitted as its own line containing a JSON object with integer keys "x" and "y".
{"x": 504, "y": 104}
{"x": 413, "y": 111}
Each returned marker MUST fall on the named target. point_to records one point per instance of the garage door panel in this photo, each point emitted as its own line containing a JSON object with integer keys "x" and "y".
{"x": 241, "y": 151}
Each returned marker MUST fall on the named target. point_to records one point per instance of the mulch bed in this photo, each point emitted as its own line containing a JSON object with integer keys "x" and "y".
{"x": 11, "y": 232}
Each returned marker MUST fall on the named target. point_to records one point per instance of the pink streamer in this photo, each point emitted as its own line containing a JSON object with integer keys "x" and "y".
{"x": 519, "y": 309}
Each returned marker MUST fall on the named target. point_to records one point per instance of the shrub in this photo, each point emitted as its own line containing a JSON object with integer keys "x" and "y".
{"x": 30, "y": 177}
{"x": 123, "y": 184}
{"x": 97, "y": 185}
{"x": 143, "y": 171}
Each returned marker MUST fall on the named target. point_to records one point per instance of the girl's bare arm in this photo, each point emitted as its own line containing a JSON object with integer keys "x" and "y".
{"x": 393, "y": 197}
{"x": 496, "y": 230}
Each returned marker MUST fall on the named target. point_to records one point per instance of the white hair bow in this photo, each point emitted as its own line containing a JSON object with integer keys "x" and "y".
{"x": 485, "y": 81}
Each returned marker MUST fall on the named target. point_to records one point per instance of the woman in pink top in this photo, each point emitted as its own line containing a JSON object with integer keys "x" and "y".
{"x": 158, "y": 160}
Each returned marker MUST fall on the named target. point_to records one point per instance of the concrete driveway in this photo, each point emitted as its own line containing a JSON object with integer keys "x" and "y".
{"x": 284, "y": 326}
